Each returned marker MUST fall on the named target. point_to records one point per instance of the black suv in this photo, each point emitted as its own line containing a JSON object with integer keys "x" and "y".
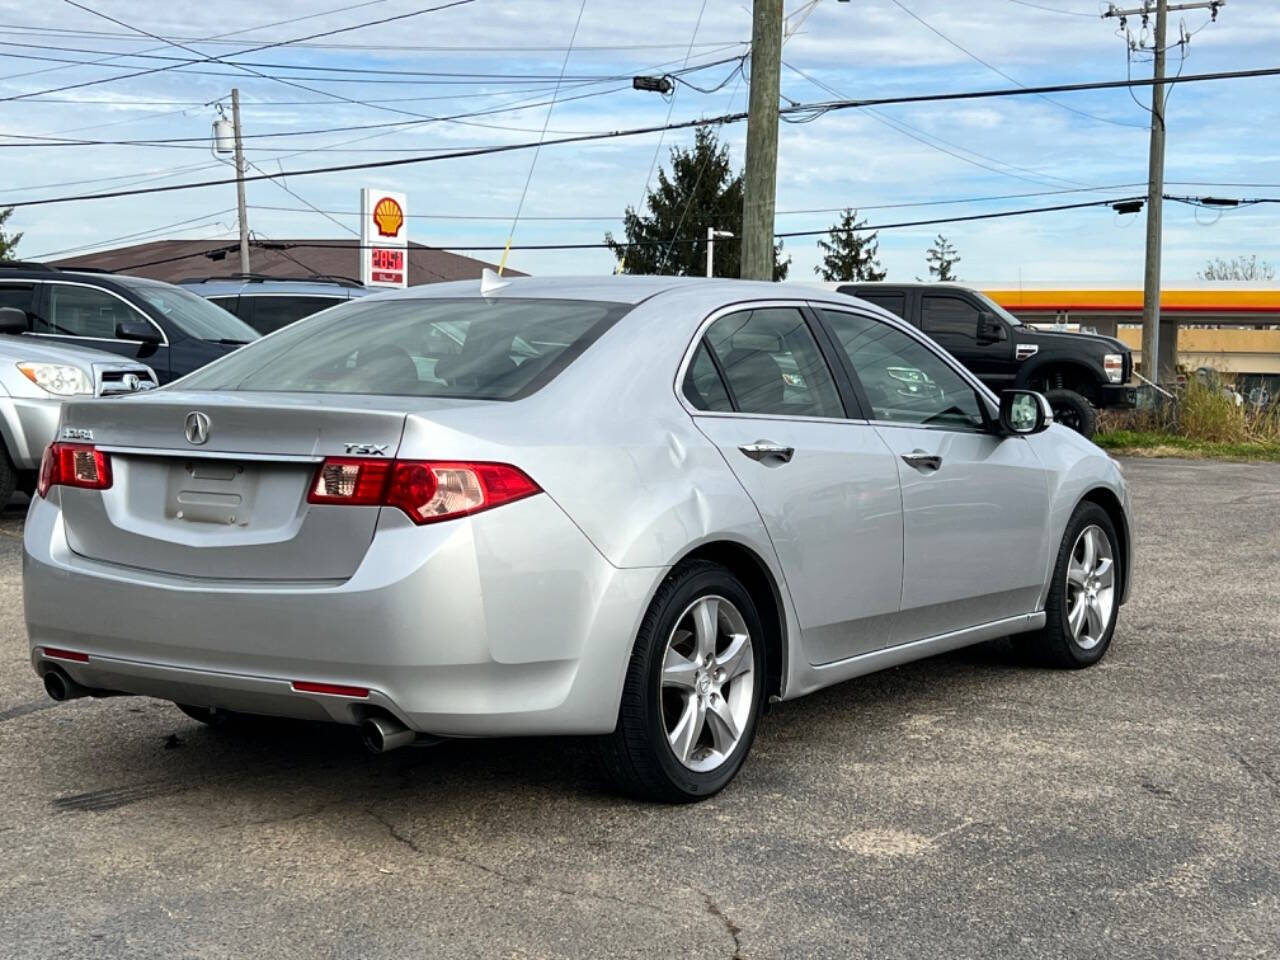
{"x": 1075, "y": 371}
{"x": 170, "y": 329}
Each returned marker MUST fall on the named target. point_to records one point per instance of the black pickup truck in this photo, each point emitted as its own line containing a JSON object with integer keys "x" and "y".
{"x": 1077, "y": 372}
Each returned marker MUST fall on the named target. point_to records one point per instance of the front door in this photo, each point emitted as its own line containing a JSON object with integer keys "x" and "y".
{"x": 826, "y": 487}
{"x": 974, "y": 503}
{"x": 80, "y": 314}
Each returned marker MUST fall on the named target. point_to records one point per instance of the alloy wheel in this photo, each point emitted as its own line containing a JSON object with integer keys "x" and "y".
{"x": 1091, "y": 587}
{"x": 707, "y": 688}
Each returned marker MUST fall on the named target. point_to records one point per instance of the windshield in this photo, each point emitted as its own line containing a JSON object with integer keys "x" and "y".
{"x": 473, "y": 348}
{"x": 193, "y": 315}
{"x": 998, "y": 310}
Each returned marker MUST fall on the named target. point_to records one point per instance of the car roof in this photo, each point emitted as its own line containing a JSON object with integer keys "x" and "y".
{"x": 337, "y": 287}
{"x": 624, "y": 288}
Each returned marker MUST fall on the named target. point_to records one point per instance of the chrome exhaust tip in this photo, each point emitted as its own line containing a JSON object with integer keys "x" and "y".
{"x": 381, "y": 734}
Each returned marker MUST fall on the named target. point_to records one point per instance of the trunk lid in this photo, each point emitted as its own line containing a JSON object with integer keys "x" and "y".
{"x": 215, "y": 485}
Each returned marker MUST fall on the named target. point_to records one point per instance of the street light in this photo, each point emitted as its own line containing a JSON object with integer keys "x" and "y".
{"x": 712, "y": 233}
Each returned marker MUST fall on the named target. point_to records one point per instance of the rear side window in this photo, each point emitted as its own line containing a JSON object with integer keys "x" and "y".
{"x": 895, "y": 303}
{"x": 270, "y": 313}
{"x": 702, "y": 384}
{"x": 773, "y": 365}
{"x": 474, "y": 348}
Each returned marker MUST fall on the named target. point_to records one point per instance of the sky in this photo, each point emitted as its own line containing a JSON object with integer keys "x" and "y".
{"x": 502, "y": 59}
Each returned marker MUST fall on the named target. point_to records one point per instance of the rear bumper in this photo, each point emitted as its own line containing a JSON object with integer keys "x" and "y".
{"x": 1118, "y": 395}
{"x": 29, "y": 425}
{"x": 508, "y": 622}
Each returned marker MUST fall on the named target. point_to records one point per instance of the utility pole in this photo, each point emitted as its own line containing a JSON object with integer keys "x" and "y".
{"x": 1159, "y": 339}
{"x": 712, "y": 233}
{"x": 240, "y": 172}
{"x": 760, "y": 181}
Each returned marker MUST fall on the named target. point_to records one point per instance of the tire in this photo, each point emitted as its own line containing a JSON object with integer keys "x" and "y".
{"x": 8, "y": 477}
{"x": 1072, "y": 410}
{"x": 27, "y": 480}
{"x": 682, "y": 708}
{"x": 1058, "y": 644}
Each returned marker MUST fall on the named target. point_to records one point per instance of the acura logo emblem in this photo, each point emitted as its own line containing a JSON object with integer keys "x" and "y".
{"x": 197, "y": 427}
{"x": 131, "y": 381}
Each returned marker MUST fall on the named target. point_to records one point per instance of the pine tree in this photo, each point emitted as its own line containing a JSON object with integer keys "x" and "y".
{"x": 848, "y": 256}
{"x": 700, "y": 192}
{"x": 7, "y": 240}
{"x": 942, "y": 260}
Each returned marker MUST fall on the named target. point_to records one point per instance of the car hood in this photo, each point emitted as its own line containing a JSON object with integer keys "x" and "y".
{"x": 1104, "y": 344}
{"x": 23, "y": 349}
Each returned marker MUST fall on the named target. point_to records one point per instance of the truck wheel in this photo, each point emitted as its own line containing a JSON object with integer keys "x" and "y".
{"x": 1074, "y": 411}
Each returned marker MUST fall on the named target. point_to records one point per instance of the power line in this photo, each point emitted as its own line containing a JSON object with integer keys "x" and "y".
{"x": 136, "y": 235}
{"x": 233, "y": 33}
{"x": 825, "y": 107}
{"x": 994, "y": 69}
{"x": 254, "y": 49}
{"x": 1065, "y": 13}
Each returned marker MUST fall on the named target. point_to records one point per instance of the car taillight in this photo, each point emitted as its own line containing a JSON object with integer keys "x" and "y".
{"x": 425, "y": 490}
{"x": 73, "y": 465}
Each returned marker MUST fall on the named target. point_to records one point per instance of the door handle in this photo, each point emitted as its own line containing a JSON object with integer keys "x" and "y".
{"x": 921, "y": 460}
{"x": 762, "y": 450}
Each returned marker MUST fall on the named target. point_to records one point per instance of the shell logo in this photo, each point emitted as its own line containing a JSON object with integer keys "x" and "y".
{"x": 388, "y": 217}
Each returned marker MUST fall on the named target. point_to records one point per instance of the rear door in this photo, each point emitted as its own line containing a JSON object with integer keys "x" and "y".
{"x": 825, "y": 484}
{"x": 975, "y": 504}
{"x": 216, "y": 487}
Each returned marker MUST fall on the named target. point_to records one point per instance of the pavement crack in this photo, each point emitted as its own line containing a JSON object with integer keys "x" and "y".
{"x": 730, "y": 927}
{"x": 1263, "y": 777}
{"x": 527, "y": 880}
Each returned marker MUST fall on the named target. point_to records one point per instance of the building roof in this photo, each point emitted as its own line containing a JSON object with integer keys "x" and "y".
{"x": 174, "y": 260}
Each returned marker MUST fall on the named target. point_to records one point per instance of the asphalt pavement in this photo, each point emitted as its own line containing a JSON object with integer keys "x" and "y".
{"x": 965, "y": 806}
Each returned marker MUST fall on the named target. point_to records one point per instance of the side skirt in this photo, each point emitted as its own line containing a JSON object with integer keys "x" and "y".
{"x": 812, "y": 678}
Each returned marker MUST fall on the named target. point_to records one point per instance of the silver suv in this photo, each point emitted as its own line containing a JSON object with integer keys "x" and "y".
{"x": 36, "y": 376}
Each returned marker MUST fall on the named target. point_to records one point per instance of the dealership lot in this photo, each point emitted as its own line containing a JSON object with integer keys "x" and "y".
{"x": 962, "y": 806}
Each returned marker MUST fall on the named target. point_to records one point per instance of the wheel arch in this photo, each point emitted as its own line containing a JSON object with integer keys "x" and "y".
{"x": 755, "y": 574}
{"x": 1106, "y": 498}
{"x": 1075, "y": 373}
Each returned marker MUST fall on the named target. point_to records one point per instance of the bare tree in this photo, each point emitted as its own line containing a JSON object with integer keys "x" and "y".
{"x": 1238, "y": 268}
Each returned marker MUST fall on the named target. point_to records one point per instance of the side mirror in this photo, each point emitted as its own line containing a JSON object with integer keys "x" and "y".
{"x": 1024, "y": 412}
{"x": 991, "y": 329}
{"x": 13, "y": 320}
{"x": 137, "y": 329}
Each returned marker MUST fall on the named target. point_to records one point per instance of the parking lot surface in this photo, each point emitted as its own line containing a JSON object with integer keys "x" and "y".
{"x": 965, "y": 806}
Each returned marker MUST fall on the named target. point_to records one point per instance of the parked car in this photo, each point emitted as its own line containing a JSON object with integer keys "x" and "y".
{"x": 269, "y": 303}
{"x": 1078, "y": 372}
{"x": 671, "y": 501}
{"x": 169, "y": 329}
{"x": 35, "y": 378}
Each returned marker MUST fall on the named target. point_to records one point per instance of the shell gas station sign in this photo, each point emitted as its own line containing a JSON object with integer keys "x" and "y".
{"x": 384, "y": 239}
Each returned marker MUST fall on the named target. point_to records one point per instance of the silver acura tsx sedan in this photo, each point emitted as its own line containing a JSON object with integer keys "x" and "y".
{"x": 635, "y": 507}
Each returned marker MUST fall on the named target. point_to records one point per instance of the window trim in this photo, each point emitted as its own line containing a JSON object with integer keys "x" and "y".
{"x": 164, "y": 339}
{"x": 989, "y": 404}
{"x": 820, "y": 336}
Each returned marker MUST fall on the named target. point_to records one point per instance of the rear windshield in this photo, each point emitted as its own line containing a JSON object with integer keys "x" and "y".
{"x": 193, "y": 315}
{"x": 488, "y": 350}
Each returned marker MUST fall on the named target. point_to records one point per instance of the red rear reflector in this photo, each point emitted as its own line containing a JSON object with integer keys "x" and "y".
{"x": 333, "y": 689}
{"x": 53, "y": 653}
{"x": 73, "y": 465}
{"x": 426, "y": 490}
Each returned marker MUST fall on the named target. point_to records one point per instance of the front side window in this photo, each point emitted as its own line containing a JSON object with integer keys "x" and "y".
{"x": 773, "y": 365}
{"x": 473, "y": 348}
{"x": 904, "y": 380}
{"x": 76, "y": 311}
{"x": 949, "y": 319}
